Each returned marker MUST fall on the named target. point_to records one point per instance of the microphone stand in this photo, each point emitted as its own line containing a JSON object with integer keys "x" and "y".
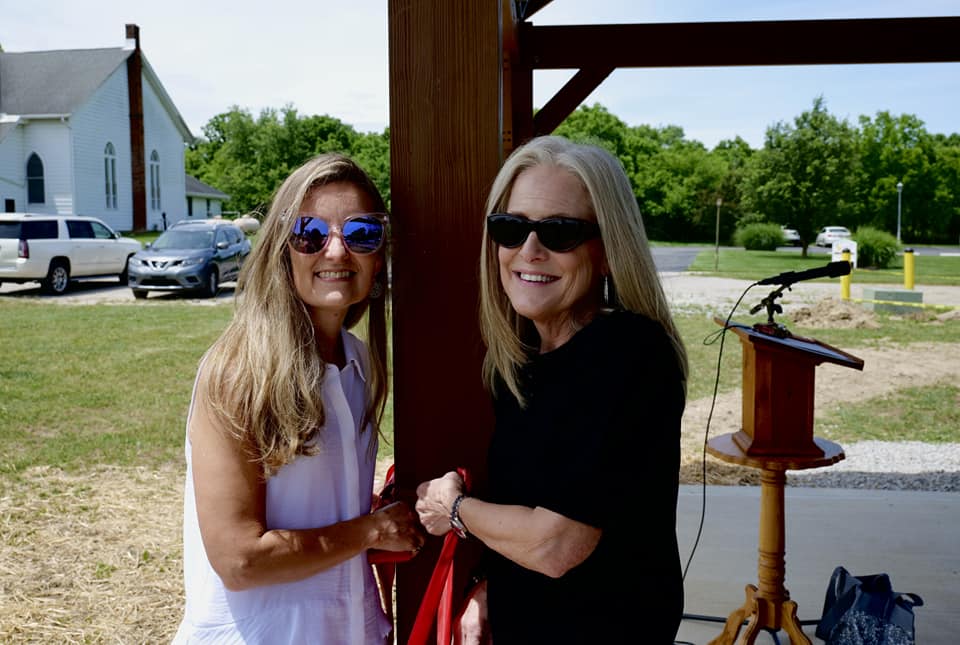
{"x": 771, "y": 327}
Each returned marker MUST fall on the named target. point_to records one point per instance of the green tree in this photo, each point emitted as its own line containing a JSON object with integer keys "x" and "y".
{"x": 899, "y": 149}
{"x": 594, "y": 124}
{"x": 248, "y": 158}
{"x": 677, "y": 182}
{"x": 735, "y": 155}
{"x": 947, "y": 197}
{"x": 806, "y": 174}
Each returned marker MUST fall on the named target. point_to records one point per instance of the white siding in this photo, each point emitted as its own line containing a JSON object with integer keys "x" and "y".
{"x": 201, "y": 206}
{"x": 161, "y": 134}
{"x": 50, "y": 139}
{"x": 13, "y": 170}
{"x": 105, "y": 117}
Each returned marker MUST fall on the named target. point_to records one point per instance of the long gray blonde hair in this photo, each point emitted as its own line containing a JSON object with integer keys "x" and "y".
{"x": 626, "y": 248}
{"x": 264, "y": 373}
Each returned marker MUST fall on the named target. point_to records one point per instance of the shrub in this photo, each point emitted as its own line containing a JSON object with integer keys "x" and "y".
{"x": 875, "y": 248}
{"x": 759, "y": 237}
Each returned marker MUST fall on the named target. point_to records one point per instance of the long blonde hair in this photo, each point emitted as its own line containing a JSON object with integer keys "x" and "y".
{"x": 625, "y": 245}
{"x": 264, "y": 373}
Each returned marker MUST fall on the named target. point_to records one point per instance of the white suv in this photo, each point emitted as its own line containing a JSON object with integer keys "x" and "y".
{"x": 55, "y": 249}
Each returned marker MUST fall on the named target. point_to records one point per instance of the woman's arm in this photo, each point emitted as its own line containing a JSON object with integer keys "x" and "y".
{"x": 535, "y": 538}
{"x": 472, "y": 625}
{"x": 231, "y": 507}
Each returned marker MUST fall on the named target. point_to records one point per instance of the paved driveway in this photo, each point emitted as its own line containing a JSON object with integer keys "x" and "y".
{"x": 97, "y": 291}
{"x": 672, "y": 259}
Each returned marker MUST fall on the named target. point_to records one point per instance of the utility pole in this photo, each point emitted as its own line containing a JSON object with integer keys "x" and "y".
{"x": 716, "y": 256}
{"x": 899, "y": 194}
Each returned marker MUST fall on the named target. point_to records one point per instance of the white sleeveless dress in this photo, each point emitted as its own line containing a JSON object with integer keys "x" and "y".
{"x": 339, "y": 605}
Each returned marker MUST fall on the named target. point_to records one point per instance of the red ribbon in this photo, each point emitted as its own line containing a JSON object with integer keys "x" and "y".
{"x": 438, "y": 598}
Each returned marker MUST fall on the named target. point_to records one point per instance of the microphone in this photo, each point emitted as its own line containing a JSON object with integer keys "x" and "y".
{"x": 831, "y": 270}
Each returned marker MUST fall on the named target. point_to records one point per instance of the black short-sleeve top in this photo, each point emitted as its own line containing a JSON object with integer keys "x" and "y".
{"x": 598, "y": 442}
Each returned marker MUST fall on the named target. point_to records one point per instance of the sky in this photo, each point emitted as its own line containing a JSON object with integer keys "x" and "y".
{"x": 326, "y": 57}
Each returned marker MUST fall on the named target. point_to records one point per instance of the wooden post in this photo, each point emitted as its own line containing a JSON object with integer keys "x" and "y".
{"x": 445, "y": 149}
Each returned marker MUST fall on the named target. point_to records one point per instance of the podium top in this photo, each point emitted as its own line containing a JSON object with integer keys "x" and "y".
{"x": 818, "y": 351}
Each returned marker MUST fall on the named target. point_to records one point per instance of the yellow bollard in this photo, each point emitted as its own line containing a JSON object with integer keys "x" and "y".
{"x": 845, "y": 280}
{"x": 909, "y": 269}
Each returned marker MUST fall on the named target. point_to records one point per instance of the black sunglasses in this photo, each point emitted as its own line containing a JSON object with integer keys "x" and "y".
{"x": 362, "y": 234}
{"x": 559, "y": 234}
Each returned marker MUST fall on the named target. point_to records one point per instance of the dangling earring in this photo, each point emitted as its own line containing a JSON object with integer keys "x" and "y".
{"x": 376, "y": 290}
{"x": 606, "y": 290}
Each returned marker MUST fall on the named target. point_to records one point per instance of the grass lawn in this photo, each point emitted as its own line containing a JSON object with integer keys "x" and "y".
{"x": 146, "y": 237}
{"x": 929, "y": 414}
{"x": 99, "y": 384}
{"x": 751, "y": 265}
{"x": 110, "y": 384}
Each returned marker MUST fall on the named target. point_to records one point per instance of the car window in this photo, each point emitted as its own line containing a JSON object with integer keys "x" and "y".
{"x": 45, "y": 229}
{"x": 180, "y": 239}
{"x": 9, "y": 230}
{"x": 79, "y": 229}
{"x": 222, "y": 235}
{"x": 101, "y": 232}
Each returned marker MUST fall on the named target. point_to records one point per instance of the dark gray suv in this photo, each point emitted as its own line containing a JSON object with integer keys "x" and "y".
{"x": 190, "y": 256}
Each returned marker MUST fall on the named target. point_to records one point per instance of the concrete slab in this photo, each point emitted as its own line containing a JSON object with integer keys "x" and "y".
{"x": 912, "y": 536}
{"x": 885, "y": 300}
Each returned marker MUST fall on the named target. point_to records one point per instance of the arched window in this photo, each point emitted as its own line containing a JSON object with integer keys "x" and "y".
{"x": 35, "y": 193}
{"x": 110, "y": 174}
{"x": 154, "y": 181}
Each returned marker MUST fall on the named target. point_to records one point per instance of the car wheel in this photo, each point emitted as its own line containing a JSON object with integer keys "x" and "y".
{"x": 213, "y": 283}
{"x": 139, "y": 294}
{"x": 58, "y": 278}
{"x": 123, "y": 274}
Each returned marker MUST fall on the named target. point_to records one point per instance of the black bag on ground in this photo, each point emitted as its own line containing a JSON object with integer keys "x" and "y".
{"x": 865, "y": 610}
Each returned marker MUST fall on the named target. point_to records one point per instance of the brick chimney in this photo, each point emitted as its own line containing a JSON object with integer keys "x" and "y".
{"x": 137, "y": 152}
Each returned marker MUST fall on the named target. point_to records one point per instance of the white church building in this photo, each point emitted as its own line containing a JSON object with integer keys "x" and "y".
{"x": 93, "y": 132}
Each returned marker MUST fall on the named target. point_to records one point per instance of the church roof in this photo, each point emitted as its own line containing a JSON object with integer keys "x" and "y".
{"x": 196, "y": 188}
{"x": 57, "y": 83}
{"x": 54, "y": 82}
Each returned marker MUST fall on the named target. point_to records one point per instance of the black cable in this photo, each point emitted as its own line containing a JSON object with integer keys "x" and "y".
{"x": 709, "y": 340}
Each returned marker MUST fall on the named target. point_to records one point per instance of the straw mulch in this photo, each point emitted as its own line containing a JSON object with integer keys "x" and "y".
{"x": 92, "y": 557}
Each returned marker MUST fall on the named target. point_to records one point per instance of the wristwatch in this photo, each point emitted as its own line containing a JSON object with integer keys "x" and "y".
{"x": 455, "y": 522}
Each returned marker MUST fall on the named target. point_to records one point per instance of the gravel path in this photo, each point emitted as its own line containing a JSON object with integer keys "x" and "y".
{"x": 889, "y": 465}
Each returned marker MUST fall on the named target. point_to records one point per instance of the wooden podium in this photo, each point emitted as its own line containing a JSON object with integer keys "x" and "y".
{"x": 776, "y": 436}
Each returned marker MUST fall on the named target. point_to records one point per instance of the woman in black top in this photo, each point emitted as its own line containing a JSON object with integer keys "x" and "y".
{"x": 588, "y": 374}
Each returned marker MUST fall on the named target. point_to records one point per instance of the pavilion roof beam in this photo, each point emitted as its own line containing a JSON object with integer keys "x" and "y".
{"x": 526, "y": 8}
{"x": 728, "y": 44}
{"x": 568, "y": 98}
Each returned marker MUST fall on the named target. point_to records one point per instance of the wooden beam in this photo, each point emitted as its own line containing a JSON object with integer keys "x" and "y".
{"x": 517, "y": 82}
{"x": 568, "y": 98}
{"x": 725, "y": 44}
{"x": 526, "y": 8}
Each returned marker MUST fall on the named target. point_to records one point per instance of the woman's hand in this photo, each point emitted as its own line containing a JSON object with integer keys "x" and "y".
{"x": 470, "y": 627}
{"x": 434, "y": 501}
{"x": 397, "y": 528}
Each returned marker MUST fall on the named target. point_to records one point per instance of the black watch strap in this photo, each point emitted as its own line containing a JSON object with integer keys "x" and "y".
{"x": 455, "y": 522}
